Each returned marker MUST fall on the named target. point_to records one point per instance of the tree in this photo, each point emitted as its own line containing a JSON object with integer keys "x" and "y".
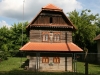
{"x": 19, "y": 36}
{"x": 85, "y": 23}
{"x": 11, "y": 39}
{"x": 4, "y": 42}
{"x": 98, "y": 26}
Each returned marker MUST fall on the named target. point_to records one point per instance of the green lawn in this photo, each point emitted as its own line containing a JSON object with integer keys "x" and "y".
{"x": 92, "y": 68}
{"x": 13, "y": 65}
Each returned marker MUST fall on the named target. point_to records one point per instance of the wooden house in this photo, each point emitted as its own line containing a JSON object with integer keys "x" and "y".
{"x": 50, "y": 47}
{"x": 97, "y": 38}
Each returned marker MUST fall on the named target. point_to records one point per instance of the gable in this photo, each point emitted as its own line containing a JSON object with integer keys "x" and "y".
{"x": 53, "y": 17}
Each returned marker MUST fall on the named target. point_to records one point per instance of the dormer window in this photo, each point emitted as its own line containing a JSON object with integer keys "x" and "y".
{"x": 51, "y": 20}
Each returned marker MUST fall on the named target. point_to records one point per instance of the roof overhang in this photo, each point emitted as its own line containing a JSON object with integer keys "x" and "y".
{"x": 97, "y": 37}
{"x": 50, "y": 47}
{"x": 52, "y": 26}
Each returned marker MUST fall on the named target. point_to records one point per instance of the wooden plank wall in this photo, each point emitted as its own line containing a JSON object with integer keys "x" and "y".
{"x": 36, "y": 35}
{"x": 64, "y": 65}
{"x": 58, "y": 20}
{"x": 69, "y": 36}
{"x": 66, "y": 36}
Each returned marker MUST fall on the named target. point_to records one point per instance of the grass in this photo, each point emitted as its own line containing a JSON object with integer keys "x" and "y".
{"x": 92, "y": 68}
{"x": 12, "y": 66}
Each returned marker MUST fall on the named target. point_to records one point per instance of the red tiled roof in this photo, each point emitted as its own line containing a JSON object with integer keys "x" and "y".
{"x": 33, "y": 46}
{"x": 51, "y": 6}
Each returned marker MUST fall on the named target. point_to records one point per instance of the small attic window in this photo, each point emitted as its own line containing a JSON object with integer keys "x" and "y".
{"x": 51, "y": 20}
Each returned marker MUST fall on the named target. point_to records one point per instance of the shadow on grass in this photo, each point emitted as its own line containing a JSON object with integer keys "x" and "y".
{"x": 26, "y": 63}
{"x": 25, "y": 72}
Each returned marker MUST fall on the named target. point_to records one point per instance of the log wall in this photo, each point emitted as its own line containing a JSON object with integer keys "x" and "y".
{"x": 36, "y": 35}
{"x": 64, "y": 65}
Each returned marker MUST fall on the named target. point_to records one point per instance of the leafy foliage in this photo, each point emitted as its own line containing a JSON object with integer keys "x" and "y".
{"x": 11, "y": 39}
{"x": 86, "y": 24}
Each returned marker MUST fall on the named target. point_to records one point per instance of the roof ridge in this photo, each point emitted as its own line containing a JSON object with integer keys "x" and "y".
{"x": 51, "y": 6}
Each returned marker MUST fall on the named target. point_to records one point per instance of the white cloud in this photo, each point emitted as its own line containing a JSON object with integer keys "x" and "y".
{"x": 4, "y": 23}
{"x": 14, "y": 8}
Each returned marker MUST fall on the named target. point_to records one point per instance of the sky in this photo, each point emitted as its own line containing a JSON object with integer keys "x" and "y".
{"x": 11, "y": 11}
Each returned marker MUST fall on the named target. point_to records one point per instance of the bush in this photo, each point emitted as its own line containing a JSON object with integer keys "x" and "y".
{"x": 3, "y": 56}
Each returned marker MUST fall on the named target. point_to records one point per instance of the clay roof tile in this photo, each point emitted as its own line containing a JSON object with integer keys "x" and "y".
{"x": 51, "y": 6}
{"x": 67, "y": 47}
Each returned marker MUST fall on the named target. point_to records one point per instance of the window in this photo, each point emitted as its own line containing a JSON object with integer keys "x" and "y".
{"x": 45, "y": 60}
{"x": 56, "y": 60}
{"x": 45, "y": 37}
{"x": 57, "y": 37}
{"x": 51, "y": 36}
{"x": 51, "y": 20}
